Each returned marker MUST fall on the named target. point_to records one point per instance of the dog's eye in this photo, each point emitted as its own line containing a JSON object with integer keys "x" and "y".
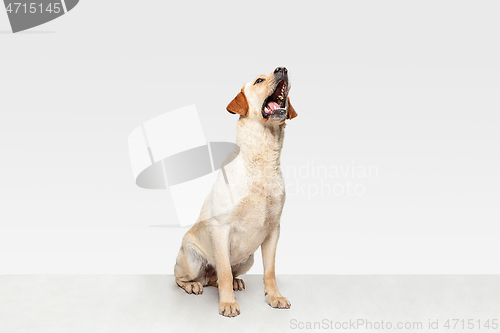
{"x": 258, "y": 81}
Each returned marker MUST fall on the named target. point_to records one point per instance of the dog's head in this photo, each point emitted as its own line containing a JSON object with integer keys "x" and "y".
{"x": 265, "y": 98}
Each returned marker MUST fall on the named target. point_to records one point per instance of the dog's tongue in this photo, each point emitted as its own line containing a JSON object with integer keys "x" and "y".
{"x": 271, "y": 106}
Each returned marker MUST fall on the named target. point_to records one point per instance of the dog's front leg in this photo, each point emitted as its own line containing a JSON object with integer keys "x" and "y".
{"x": 220, "y": 240}
{"x": 271, "y": 291}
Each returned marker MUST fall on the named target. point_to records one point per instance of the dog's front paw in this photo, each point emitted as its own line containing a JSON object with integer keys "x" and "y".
{"x": 229, "y": 309}
{"x": 279, "y": 302}
{"x": 238, "y": 284}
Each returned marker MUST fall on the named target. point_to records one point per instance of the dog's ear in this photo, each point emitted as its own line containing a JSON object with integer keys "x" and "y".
{"x": 239, "y": 104}
{"x": 291, "y": 111}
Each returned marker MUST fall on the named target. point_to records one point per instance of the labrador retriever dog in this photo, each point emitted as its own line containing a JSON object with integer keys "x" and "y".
{"x": 243, "y": 210}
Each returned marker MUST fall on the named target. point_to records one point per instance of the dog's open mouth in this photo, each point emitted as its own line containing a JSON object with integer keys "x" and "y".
{"x": 275, "y": 103}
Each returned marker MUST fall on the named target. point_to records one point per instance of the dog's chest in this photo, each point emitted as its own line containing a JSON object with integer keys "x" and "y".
{"x": 266, "y": 191}
{"x": 261, "y": 209}
{"x": 258, "y": 214}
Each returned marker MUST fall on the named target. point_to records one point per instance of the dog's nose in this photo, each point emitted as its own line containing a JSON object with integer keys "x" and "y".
{"x": 281, "y": 70}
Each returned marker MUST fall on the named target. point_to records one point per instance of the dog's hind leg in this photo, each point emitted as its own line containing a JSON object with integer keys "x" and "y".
{"x": 187, "y": 271}
{"x": 241, "y": 269}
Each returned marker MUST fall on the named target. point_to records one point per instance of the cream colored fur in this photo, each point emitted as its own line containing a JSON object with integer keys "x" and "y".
{"x": 242, "y": 214}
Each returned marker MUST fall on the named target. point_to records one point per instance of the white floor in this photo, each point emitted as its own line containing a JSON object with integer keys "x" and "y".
{"x": 153, "y": 303}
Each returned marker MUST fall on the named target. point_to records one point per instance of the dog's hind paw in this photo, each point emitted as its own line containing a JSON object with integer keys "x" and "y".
{"x": 278, "y": 302}
{"x": 238, "y": 284}
{"x": 192, "y": 287}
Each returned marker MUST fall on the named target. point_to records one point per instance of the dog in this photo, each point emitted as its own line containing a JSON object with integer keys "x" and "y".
{"x": 243, "y": 210}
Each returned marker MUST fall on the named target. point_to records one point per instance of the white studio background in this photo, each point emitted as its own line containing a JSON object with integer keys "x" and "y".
{"x": 405, "y": 94}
